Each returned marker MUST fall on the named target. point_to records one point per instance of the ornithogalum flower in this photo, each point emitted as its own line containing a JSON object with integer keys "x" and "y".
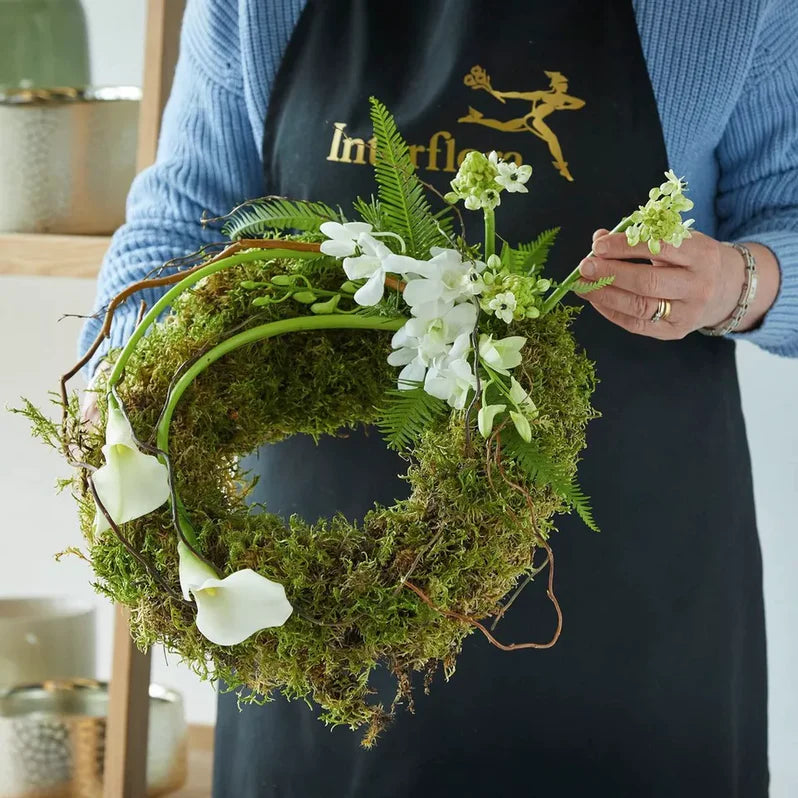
{"x": 232, "y": 609}
{"x": 131, "y": 483}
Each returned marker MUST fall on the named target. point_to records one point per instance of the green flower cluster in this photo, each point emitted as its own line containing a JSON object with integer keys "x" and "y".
{"x": 660, "y": 218}
{"x": 510, "y": 296}
{"x": 475, "y": 182}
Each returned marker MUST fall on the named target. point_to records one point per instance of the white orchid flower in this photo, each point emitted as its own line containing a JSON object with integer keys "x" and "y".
{"x": 501, "y": 355}
{"x": 232, "y": 609}
{"x": 521, "y": 425}
{"x": 451, "y": 377}
{"x": 521, "y": 398}
{"x": 445, "y": 278}
{"x": 369, "y": 264}
{"x": 485, "y": 417}
{"x": 131, "y": 483}
{"x": 420, "y": 341}
{"x": 342, "y": 237}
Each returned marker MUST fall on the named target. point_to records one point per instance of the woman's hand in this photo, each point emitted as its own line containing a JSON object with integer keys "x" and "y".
{"x": 702, "y": 279}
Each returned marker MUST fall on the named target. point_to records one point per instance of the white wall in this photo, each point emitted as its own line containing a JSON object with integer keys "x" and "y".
{"x": 36, "y": 523}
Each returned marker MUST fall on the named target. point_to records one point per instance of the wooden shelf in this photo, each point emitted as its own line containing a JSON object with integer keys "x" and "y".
{"x": 51, "y": 255}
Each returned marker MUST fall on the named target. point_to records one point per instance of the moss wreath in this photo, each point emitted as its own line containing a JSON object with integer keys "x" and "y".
{"x": 404, "y": 587}
{"x": 223, "y": 374}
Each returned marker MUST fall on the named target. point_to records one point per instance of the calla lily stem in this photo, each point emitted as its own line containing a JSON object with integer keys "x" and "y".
{"x": 168, "y": 298}
{"x": 262, "y": 332}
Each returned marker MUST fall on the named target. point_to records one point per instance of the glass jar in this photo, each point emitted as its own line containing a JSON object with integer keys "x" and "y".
{"x": 45, "y": 44}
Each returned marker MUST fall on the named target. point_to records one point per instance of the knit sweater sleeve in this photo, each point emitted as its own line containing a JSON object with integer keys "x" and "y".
{"x": 208, "y": 160}
{"x": 758, "y": 159}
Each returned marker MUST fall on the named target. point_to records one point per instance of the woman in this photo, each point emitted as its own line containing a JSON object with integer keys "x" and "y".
{"x": 657, "y": 686}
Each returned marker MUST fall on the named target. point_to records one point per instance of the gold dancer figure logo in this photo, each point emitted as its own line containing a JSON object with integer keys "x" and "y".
{"x": 544, "y": 102}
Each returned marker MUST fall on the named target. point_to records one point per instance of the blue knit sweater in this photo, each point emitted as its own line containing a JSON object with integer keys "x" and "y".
{"x": 725, "y": 77}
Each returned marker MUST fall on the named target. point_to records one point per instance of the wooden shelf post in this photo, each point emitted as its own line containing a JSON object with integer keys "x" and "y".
{"x": 128, "y": 706}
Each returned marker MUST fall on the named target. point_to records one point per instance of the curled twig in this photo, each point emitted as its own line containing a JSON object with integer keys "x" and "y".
{"x": 140, "y": 558}
{"x": 457, "y": 616}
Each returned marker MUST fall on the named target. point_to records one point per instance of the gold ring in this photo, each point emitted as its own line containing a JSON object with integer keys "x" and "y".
{"x": 659, "y": 313}
{"x": 667, "y": 310}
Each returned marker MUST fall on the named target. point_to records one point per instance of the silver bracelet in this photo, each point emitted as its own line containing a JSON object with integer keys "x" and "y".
{"x": 746, "y": 295}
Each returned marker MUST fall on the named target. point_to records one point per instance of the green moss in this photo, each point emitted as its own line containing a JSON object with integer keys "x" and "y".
{"x": 344, "y": 580}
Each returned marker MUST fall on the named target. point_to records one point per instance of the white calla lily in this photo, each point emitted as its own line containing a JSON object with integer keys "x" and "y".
{"x": 501, "y": 355}
{"x": 131, "y": 483}
{"x": 232, "y": 609}
{"x": 342, "y": 238}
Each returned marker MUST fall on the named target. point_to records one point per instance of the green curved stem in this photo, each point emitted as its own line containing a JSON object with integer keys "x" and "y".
{"x": 568, "y": 283}
{"x": 168, "y": 298}
{"x": 270, "y": 330}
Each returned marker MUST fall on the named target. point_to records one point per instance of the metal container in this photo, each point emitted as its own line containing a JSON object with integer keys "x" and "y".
{"x": 67, "y": 158}
{"x": 52, "y": 740}
{"x": 45, "y": 638}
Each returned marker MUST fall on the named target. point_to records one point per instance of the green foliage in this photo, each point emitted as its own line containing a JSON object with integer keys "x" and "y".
{"x": 261, "y": 217}
{"x": 535, "y": 254}
{"x": 370, "y": 212}
{"x": 407, "y": 414}
{"x": 403, "y": 203}
{"x": 541, "y": 469}
{"x": 585, "y": 286}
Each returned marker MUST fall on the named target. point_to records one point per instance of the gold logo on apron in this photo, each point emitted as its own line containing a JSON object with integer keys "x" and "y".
{"x": 544, "y": 102}
{"x": 440, "y": 153}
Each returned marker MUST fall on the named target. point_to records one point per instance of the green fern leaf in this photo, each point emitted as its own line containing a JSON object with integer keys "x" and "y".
{"x": 260, "y": 216}
{"x": 369, "y": 212}
{"x": 536, "y": 252}
{"x": 407, "y": 414}
{"x": 585, "y": 287}
{"x": 402, "y": 197}
{"x": 541, "y": 470}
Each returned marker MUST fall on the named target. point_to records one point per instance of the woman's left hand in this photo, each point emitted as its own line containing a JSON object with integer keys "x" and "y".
{"x": 702, "y": 279}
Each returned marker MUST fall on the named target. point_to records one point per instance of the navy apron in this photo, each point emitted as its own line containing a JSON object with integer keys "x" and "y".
{"x": 657, "y": 687}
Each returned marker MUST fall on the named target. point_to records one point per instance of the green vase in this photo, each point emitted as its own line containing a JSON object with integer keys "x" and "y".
{"x": 45, "y": 44}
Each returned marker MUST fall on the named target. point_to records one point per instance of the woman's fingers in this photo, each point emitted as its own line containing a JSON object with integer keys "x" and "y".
{"x": 632, "y": 324}
{"x": 639, "y": 307}
{"x": 615, "y": 245}
{"x": 646, "y": 280}
{"x": 600, "y": 232}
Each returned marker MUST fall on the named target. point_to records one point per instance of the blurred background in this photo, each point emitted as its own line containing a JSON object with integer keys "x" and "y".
{"x": 36, "y": 523}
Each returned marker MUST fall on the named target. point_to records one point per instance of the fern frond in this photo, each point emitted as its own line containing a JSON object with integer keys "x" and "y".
{"x": 540, "y": 469}
{"x": 260, "y": 216}
{"x": 402, "y": 197}
{"x": 536, "y": 252}
{"x": 407, "y": 414}
{"x": 585, "y": 286}
{"x": 369, "y": 212}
